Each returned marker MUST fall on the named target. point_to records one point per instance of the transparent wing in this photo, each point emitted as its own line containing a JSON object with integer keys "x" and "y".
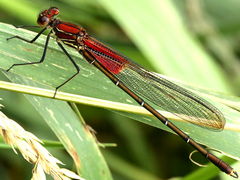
{"x": 157, "y": 90}
{"x": 171, "y": 97}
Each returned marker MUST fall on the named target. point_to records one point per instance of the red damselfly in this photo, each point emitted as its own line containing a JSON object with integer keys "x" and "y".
{"x": 143, "y": 86}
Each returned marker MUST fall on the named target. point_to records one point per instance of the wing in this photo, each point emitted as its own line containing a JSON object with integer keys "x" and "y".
{"x": 157, "y": 90}
{"x": 171, "y": 97}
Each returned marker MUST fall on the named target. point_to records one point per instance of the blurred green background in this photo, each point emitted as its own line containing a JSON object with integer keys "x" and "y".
{"x": 197, "y": 42}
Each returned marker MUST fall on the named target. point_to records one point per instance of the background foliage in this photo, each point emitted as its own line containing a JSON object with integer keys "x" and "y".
{"x": 193, "y": 41}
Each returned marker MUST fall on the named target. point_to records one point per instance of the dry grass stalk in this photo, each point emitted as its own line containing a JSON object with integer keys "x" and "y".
{"x": 31, "y": 149}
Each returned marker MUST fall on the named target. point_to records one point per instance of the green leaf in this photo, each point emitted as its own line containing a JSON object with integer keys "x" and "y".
{"x": 75, "y": 136}
{"x": 93, "y": 88}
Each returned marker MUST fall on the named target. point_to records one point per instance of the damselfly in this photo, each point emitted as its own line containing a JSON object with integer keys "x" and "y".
{"x": 143, "y": 86}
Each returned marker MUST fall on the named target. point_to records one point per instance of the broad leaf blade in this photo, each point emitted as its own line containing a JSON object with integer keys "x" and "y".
{"x": 91, "y": 83}
{"x": 75, "y": 136}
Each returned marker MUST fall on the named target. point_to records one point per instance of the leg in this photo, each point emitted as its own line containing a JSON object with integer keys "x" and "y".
{"x": 43, "y": 55}
{"x": 26, "y": 40}
{"x": 74, "y": 64}
{"x": 26, "y": 26}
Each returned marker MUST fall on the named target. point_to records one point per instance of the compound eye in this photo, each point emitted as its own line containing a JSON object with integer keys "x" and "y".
{"x": 53, "y": 11}
{"x": 43, "y": 21}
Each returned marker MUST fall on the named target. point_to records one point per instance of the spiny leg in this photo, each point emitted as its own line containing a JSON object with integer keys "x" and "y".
{"x": 74, "y": 64}
{"x": 26, "y": 40}
{"x": 31, "y": 41}
{"x": 26, "y": 26}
